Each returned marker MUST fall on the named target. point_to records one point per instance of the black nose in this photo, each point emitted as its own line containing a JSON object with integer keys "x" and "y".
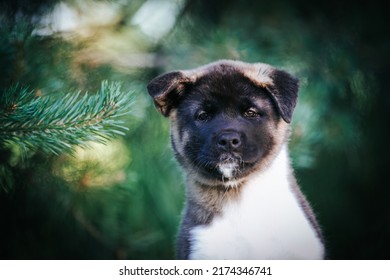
{"x": 228, "y": 141}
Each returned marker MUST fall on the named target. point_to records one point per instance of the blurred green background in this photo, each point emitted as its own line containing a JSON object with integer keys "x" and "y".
{"x": 123, "y": 200}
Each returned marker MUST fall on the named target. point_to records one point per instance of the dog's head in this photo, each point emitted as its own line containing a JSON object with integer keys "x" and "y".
{"x": 228, "y": 119}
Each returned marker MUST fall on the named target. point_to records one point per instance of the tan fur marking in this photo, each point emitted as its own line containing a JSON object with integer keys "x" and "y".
{"x": 258, "y": 72}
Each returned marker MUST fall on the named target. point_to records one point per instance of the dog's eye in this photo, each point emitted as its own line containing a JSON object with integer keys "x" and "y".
{"x": 202, "y": 116}
{"x": 252, "y": 113}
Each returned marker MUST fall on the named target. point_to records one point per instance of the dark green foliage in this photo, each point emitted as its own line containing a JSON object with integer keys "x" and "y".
{"x": 34, "y": 122}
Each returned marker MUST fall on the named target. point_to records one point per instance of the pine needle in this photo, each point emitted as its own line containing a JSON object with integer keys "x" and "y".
{"x": 57, "y": 126}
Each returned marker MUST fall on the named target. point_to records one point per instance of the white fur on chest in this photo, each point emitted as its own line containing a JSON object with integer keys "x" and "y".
{"x": 267, "y": 222}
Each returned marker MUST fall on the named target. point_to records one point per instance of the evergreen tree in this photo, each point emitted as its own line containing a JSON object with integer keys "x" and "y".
{"x": 33, "y": 121}
{"x": 42, "y": 120}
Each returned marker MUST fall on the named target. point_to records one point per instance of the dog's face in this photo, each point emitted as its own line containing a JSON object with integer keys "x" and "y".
{"x": 228, "y": 119}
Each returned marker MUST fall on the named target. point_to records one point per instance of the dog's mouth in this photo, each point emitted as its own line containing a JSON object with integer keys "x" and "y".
{"x": 225, "y": 168}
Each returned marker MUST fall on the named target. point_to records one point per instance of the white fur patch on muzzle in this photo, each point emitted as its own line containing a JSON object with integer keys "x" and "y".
{"x": 227, "y": 169}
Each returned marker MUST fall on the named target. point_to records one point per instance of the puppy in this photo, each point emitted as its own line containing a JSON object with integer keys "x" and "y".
{"x": 229, "y": 131}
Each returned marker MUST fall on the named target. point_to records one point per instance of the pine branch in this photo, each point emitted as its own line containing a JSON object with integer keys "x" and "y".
{"x": 56, "y": 126}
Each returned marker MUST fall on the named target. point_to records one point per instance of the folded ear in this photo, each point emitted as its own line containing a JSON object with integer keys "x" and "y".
{"x": 284, "y": 91}
{"x": 166, "y": 90}
{"x": 282, "y": 86}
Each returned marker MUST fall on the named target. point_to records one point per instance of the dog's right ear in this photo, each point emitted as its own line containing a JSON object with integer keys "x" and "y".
{"x": 166, "y": 90}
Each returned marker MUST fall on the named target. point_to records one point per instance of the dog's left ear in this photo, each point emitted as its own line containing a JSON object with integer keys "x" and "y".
{"x": 284, "y": 91}
{"x": 166, "y": 90}
{"x": 282, "y": 86}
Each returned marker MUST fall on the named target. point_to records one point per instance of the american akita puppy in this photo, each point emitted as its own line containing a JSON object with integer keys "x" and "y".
{"x": 229, "y": 130}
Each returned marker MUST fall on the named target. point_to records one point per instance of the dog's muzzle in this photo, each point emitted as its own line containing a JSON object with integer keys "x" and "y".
{"x": 228, "y": 143}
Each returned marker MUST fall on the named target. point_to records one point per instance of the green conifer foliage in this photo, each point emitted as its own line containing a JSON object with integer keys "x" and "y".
{"x": 64, "y": 194}
{"x": 35, "y": 122}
